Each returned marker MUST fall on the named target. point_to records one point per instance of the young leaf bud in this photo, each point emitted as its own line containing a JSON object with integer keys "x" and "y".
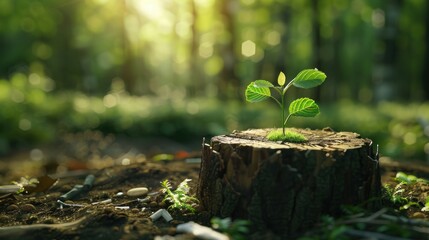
{"x": 281, "y": 79}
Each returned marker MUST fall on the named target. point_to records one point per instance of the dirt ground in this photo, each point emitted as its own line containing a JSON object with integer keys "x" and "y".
{"x": 118, "y": 164}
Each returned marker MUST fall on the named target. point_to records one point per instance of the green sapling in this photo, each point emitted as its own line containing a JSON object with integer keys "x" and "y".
{"x": 260, "y": 90}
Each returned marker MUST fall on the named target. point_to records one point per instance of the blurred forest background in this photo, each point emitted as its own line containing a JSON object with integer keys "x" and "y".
{"x": 178, "y": 69}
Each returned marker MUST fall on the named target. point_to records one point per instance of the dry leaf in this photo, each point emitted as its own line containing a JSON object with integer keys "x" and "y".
{"x": 45, "y": 182}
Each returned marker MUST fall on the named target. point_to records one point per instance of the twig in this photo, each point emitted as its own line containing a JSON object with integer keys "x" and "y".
{"x": 371, "y": 235}
{"x": 16, "y": 231}
{"x": 366, "y": 219}
{"x": 405, "y": 220}
{"x": 9, "y": 188}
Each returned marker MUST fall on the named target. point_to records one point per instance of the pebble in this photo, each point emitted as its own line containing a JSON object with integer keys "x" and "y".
{"x": 31, "y": 220}
{"x": 28, "y": 207}
{"x": 135, "y": 210}
{"x": 4, "y": 219}
{"x": 418, "y": 215}
{"x": 48, "y": 221}
{"x": 12, "y": 208}
{"x": 137, "y": 192}
{"x": 153, "y": 204}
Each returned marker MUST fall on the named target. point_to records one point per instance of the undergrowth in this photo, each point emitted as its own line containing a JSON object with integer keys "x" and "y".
{"x": 179, "y": 198}
{"x": 33, "y": 114}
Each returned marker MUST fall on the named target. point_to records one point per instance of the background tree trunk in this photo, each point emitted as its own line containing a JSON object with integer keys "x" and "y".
{"x": 197, "y": 86}
{"x": 127, "y": 71}
{"x": 425, "y": 82}
{"x": 286, "y": 187}
{"x": 317, "y": 42}
{"x": 229, "y": 83}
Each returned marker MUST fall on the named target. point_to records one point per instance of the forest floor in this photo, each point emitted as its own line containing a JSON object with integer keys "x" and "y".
{"x": 120, "y": 164}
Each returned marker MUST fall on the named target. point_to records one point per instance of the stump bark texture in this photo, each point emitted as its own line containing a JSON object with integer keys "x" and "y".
{"x": 286, "y": 187}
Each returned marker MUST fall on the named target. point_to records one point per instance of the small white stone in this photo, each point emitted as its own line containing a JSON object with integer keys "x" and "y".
{"x": 167, "y": 216}
{"x": 161, "y": 213}
{"x": 122, "y": 207}
{"x": 156, "y": 215}
{"x": 137, "y": 192}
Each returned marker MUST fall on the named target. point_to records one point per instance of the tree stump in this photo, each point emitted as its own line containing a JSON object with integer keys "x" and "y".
{"x": 285, "y": 187}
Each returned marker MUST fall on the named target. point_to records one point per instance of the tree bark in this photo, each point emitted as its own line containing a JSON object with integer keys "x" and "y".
{"x": 286, "y": 187}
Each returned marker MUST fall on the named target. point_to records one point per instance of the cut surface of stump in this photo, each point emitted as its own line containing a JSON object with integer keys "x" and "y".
{"x": 285, "y": 187}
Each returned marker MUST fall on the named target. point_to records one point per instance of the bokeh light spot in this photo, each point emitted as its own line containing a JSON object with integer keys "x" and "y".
{"x": 24, "y": 124}
{"x": 410, "y": 138}
{"x": 17, "y": 96}
{"x": 36, "y": 154}
{"x": 248, "y": 48}
{"x": 110, "y": 100}
{"x": 272, "y": 38}
{"x": 205, "y": 50}
{"x": 426, "y": 148}
{"x": 193, "y": 108}
{"x": 378, "y": 18}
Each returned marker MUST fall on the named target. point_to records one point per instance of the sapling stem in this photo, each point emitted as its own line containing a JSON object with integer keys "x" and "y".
{"x": 288, "y": 86}
{"x": 284, "y": 123}
{"x": 283, "y": 114}
{"x": 275, "y": 99}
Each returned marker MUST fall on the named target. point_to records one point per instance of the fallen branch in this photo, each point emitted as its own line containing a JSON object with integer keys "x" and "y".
{"x": 371, "y": 235}
{"x": 16, "y": 231}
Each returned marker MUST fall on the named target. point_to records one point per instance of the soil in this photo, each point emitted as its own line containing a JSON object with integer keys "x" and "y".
{"x": 119, "y": 164}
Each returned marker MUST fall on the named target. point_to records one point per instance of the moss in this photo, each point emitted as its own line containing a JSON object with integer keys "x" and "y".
{"x": 289, "y": 136}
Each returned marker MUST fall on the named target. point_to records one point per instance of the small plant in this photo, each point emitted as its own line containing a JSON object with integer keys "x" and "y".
{"x": 404, "y": 178}
{"x": 407, "y": 202}
{"x": 426, "y": 207}
{"x": 260, "y": 90}
{"x": 25, "y": 182}
{"x": 400, "y": 195}
{"x": 179, "y": 198}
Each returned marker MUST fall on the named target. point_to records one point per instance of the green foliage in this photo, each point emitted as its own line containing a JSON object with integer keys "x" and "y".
{"x": 179, "y": 198}
{"x": 29, "y": 33}
{"x": 401, "y": 196}
{"x": 426, "y": 207}
{"x": 27, "y": 111}
{"x": 362, "y": 225}
{"x": 404, "y": 178}
{"x": 309, "y": 78}
{"x": 260, "y": 90}
{"x": 402, "y": 129}
{"x": 303, "y": 107}
{"x": 236, "y": 230}
{"x": 393, "y": 196}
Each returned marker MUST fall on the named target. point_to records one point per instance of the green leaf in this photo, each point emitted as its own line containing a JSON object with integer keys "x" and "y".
{"x": 263, "y": 83}
{"x": 258, "y": 90}
{"x": 281, "y": 79}
{"x": 303, "y": 107}
{"x": 309, "y": 78}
